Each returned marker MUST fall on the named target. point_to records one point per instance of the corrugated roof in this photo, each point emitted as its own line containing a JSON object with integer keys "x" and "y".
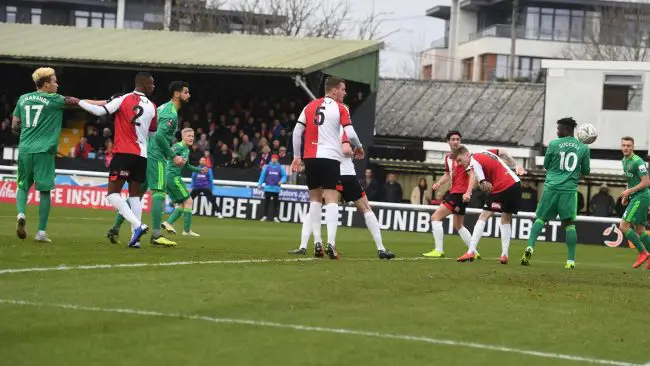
{"x": 177, "y": 49}
{"x": 483, "y": 112}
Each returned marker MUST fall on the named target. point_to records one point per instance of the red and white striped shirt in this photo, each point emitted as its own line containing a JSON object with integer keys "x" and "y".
{"x": 135, "y": 117}
{"x": 458, "y": 174}
{"x": 487, "y": 165}
{"x": 323, "y": 119}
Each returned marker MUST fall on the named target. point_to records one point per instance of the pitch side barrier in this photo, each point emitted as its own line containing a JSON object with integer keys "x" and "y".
{"x": 243, "y": 200}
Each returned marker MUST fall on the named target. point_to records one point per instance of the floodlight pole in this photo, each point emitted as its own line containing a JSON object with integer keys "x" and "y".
{"x": 301, "y": 83}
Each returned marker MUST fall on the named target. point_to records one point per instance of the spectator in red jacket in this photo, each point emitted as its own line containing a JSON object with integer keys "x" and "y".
{"x": 82, "y": 148}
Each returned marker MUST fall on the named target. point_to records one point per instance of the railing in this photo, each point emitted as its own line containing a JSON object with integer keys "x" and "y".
{"x": 504, "y": 31}
{"x": 4, "y": 168}
{"x": 440, "y": 43}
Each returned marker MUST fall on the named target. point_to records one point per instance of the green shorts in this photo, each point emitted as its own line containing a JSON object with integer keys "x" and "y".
{"x": 637, "y": 210}
{"x": 176, "y": 190}
{"x": 554, "y": 204}
{"x": 156, "y": 174}
{"x": 38, "y": 169}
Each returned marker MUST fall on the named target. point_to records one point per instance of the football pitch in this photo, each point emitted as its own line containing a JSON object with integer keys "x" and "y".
{"x": 234, "y": 297}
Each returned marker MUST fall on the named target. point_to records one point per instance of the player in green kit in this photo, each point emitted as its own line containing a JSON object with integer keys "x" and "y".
{"x": 158, "y": 154}
{"x": 176, "y": 188}
{"x": 637, "y": 196}
{"x": 565, "y": 160}
{"x": 38, "y": 117}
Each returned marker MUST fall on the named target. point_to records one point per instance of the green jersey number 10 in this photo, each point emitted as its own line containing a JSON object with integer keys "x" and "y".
{"x": 32, "y": 120}
{"x": 568, "y": 162}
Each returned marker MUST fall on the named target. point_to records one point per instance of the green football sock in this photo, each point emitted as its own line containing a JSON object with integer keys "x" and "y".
{"x": 571, "y": 241}
{"x": 538, "y": 226}
{"x": 187, "y": 220}
{"x": 632, "y": 236}
{"x": 175, "y": 215}
{"x": 119, "y": 219}
{"x": 21, "y": 200}
{"x": 157, "y": 204}
{"x": 44, "y": 210}
{"x": 645, "y": 239}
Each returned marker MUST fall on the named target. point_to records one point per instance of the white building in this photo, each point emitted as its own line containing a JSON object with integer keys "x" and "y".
{"x": 612, "y": 96}
{"x": 477, "y": 40}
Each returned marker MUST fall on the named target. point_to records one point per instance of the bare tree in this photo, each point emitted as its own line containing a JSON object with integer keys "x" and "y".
{"x": 410, "y": 65}
{"x": 309, "y": 18}
{"x": 618, "y": 33}
{"x": 197, "y": 16}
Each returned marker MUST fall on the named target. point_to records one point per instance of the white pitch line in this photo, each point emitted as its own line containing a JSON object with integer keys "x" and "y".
{"x": 138, "y": 265}
{"x": 64, "y": 267}
{"x": 307, "y": 328}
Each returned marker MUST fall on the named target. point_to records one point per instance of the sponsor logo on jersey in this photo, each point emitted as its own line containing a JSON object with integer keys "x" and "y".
{"x": 496, "y": 205}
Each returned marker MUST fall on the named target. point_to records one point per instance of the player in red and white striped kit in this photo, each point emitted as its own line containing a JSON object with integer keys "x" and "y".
{"x": 135, "y": 117}
{"x": 351, "y": 191}
{"x": 456, "y": 200}
{"x": 320, "y": 123}
{"x": 497, "y": 178}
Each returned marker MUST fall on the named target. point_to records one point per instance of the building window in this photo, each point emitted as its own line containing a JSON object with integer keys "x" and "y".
{"x": 503, "y": 63}
{"x": 532, "y": 23}
{"x": 133, "y": 24}
{"x": 109, "y": 20}
{"x": 36, "y": 16}
{"x": 577, "y": 25}
{"x": 623, "y": 92}
{"x": 562, "y": 25}
{"x": 11, "y": 14}
{"x": 546, "y": 24}
{"x": 96, "y": 19}
{"x": 81, "y": 18}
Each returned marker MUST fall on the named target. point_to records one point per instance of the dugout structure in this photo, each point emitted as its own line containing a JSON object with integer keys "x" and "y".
{"x": 94, "y": 62}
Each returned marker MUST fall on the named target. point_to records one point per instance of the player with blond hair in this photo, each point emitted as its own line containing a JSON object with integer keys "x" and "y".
{"x": 38, "y": 118}
{"x": 176, "y": 189}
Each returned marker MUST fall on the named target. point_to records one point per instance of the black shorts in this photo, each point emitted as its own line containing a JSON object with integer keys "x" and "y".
{"x": 454, "y": 202}
{"x": 322, "y": 173}
{"x": 128, "y": 167}
{"x": 506, "y": 201}
{"x": 350, "y": 188}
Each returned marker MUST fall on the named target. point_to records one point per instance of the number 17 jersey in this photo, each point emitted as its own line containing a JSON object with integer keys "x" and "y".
{"x": 323, "y": 119}
{"x": 565, "y": 160}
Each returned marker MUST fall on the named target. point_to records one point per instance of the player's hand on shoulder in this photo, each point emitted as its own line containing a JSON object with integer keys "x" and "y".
{"x": 70, "y": 100}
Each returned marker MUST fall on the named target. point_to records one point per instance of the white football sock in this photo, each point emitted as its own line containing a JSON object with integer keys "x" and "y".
{"x": 122, "y": 207}
{"x": 465, "y": 235}
{"x": 506, "y": 232}
{"x": 306, "y": 232}
{"x": 315, "y": 213}
{"x": 373, "y": 226}
{"x": 136, "y": 208}
{"x": 438, "y": 235}
{"x": 476, "y": 235}
{"x": 332, "y": 221}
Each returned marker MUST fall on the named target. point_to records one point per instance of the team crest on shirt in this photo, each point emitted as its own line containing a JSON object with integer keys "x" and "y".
{"x": 169, "y": 122}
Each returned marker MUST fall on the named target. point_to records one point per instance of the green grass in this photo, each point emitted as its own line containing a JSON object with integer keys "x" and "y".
{"x": 597, "y": 311}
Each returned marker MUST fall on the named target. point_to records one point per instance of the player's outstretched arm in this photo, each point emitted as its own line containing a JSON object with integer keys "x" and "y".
{"x": 194, "y": 169}
{"x": 101, "y": 110}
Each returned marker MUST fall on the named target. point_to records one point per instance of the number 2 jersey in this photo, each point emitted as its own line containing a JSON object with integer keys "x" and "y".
{"x": 41, "y": 118}
{"x": 323, "y": 119}
{"x": 135, "y": 117}
{"x": 565, "y": 160}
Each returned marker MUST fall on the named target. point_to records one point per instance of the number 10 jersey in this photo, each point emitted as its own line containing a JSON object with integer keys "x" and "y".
{"x": 565, "y": 160}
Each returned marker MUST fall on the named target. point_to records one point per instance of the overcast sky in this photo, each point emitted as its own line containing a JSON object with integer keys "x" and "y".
{"x": 404, "y": 28}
